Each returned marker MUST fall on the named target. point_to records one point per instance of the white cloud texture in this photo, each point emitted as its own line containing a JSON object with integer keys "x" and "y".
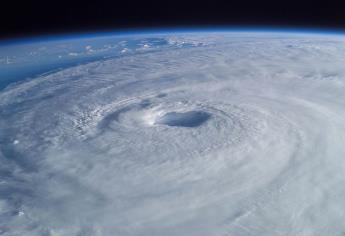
{"x": 242, "y": 137}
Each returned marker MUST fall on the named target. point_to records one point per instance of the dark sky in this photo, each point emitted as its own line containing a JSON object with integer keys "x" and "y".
{"x": 26, "y": 18}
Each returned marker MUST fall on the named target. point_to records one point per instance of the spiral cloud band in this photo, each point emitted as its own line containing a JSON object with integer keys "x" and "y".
{"x": 235, "y": 135}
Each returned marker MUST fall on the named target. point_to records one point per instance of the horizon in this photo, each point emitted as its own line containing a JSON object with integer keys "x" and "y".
{"x": 43, "y": 37}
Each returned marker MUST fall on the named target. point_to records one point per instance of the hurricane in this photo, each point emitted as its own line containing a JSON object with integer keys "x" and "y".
{"x": 215, "y": 134}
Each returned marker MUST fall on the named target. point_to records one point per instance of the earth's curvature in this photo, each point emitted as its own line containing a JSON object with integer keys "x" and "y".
{"x": 223, "y": 133}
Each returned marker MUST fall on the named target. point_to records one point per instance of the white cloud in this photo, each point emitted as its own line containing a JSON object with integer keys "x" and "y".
{"x": 82, "y": 153}
{"x": 73, "y": 54}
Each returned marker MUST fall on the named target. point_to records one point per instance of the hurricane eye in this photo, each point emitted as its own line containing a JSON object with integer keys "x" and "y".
{"x": 184, "y": 119}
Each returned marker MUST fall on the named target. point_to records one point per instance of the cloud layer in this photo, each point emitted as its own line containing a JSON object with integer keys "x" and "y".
{"x": 104, "y": 149}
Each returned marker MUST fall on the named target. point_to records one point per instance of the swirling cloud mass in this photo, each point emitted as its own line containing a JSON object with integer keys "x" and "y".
{"x": 235, "y": 136}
